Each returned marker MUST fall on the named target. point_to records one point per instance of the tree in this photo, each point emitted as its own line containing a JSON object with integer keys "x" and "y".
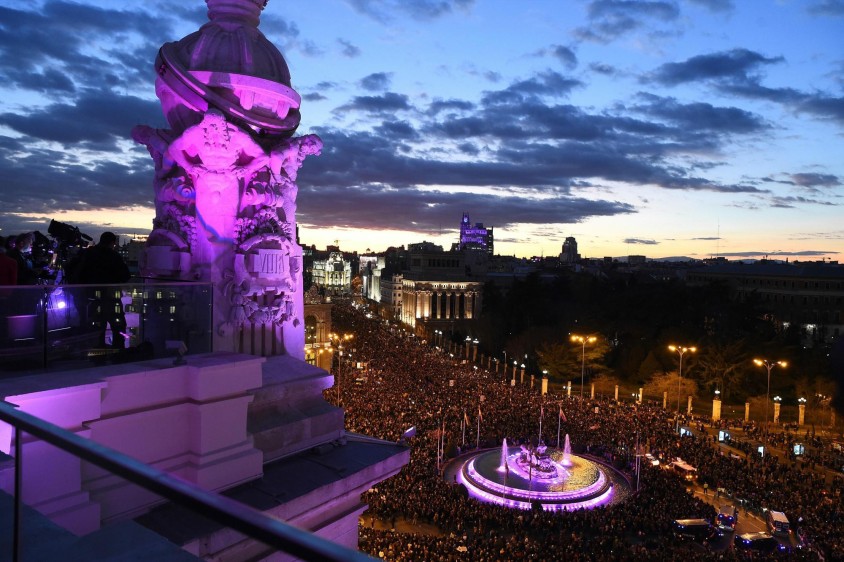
{"x": 564, "y": 360}
{"x": 724, "y": 366}
{"x": 661, "y": 383}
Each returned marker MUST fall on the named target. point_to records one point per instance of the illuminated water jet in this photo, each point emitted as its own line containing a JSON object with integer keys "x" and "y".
{"x": 555, "y": 479}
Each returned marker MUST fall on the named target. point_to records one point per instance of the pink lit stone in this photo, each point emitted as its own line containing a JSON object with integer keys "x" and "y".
{"x": 225, "y": 179}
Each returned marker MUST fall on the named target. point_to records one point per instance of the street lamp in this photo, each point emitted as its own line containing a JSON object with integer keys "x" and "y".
{"x": 680, "y": 351}
{"x": 768, "y": 365}
{"x": 583, "y": 340}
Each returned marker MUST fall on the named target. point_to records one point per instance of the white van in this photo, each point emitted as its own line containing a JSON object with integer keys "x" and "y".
{"x": 778, "y": 523}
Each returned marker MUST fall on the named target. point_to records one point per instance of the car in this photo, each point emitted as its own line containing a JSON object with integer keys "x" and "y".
{"x": 698, "y": 530}
{"x": 758, "y": 542}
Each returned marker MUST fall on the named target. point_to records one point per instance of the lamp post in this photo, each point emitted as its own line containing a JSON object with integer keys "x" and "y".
{"x": 680, "y": 350}
{"x": 801, "y": 409}
{"x": 769, "y": 365}
{"x": 583, "y": 340}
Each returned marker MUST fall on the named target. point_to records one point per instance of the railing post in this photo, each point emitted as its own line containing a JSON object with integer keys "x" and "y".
{"x": 18, "y": 503}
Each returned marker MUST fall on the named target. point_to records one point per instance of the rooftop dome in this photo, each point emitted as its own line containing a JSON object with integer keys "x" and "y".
{"x": 230, "y": 65}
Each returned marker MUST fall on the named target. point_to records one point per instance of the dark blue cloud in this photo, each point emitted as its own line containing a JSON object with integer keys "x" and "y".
{"x": 737, "y": 64}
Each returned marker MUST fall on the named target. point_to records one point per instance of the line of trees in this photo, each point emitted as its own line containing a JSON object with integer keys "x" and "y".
{"x": 635, "y": 321}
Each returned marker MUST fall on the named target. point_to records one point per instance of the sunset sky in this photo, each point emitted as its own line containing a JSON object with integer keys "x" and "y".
{"x": 688, "y": 128}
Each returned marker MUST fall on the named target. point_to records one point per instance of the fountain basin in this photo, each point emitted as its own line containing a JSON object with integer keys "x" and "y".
{"x": 579, "y": 484}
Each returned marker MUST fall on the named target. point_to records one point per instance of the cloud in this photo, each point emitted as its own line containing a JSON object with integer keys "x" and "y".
{"x": 603, "y": 68}
{"x": 640, "y": 241}
{"x": 610, "y": 19}
{"x": 808, "y": 179}
{"x": 385, "y": 11}
{"x": 348, "y": 49}
{"x": 385, "y": 103}
{"x": 818, "y": 104}
{"x": 377, "y": 81}
{"x": 379, "y": 208}
{"x": 563, "y": 54}
{"x": 777, "y": 253}
{"x": 827, "y": 8}
{"x": 737, "y": 64}
{"x": 790, "y": 201}
{"x": 702, "y": 116}
{"x": 97, "y": 118}
{"x": 716, "y": 5}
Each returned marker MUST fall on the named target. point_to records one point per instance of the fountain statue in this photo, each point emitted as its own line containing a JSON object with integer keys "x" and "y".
{"x": 525, "y": 475}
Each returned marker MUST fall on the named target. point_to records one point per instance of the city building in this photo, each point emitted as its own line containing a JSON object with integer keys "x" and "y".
{"x": 333, "y": 273}
{"x": 569, "y": 253}
{"x": 810, "y": 295}
{"x": 438, "y": 287}
{"x": 391, "y": 296}
{"x": 475, "y": 237}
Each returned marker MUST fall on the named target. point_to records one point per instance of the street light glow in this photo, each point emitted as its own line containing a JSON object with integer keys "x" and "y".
{"x": 769, "y": 365}
{"x": 680, "y": 350}
{"x": 583, "y": 340}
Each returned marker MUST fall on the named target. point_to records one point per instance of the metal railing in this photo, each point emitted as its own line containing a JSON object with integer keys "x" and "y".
{"x": 250, "y": 522}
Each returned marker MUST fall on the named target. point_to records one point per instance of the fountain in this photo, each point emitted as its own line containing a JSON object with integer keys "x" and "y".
{"x": 503, "y": 466}
{"x": 567, "y": 452}
{"x": 555, "y": 479}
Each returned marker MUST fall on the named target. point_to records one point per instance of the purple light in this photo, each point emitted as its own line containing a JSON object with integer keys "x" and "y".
{"x": 484, "y": 484}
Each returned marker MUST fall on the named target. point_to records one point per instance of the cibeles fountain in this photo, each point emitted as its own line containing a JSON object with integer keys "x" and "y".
{"x": 554, "y": 479}
{"x": 225, "y": 179}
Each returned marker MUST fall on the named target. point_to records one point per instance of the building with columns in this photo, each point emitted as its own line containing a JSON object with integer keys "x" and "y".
{"x": 438, "y": 287}
{"x": 333, "y": 273}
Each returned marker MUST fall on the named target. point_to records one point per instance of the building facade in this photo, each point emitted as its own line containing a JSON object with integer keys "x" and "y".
{"x": 333, "y": 273}
{"x": 475, "y": 237}
{"x": 810, "y": 295}
{"x": 438, "y": 287}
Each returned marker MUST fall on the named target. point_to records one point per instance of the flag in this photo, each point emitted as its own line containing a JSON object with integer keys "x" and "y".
{"x": 562, "y": 415}
{"x": 480, "y": 416}
{"x": 410, "y": 433}
{"x": 541, "y": 411}
{"x": 465, "y": 417}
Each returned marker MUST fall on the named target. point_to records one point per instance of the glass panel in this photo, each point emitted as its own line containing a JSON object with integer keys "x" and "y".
{"x": 56, "y": 327}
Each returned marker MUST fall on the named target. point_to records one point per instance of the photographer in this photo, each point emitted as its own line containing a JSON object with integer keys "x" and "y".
{"x": 101, "y": 264}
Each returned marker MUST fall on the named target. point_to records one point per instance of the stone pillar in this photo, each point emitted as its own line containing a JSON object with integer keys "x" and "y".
{"x": 801, "y": 414}
{"x": 641, "y": 390}
{"x": 522, "y": 378}
{"x": 616, "y": 393}
{"x": 592, "y": 392}
{"x": 689, "y": 407}
{"x": 544, "y": 386}
{"x": 716, "y": 409}
{"x": 777, "y": 412}
{"x": 568, "y": 389}
{"x": 532, "y": 377}
{"x": 747, "y": 411}
{"x": 665, "y": 400}
{"x": 468, "y": 304}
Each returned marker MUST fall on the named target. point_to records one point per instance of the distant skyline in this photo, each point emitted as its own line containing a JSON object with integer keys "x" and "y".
{"x": 659, "y": 128}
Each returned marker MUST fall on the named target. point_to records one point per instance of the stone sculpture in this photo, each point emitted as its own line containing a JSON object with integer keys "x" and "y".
{"x": 225, "y": 178}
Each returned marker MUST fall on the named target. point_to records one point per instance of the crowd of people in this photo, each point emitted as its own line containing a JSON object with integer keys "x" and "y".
{"x": 403, "y": 383}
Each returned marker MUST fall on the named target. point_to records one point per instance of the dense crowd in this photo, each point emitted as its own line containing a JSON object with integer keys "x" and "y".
{"x": 406, "y": 384}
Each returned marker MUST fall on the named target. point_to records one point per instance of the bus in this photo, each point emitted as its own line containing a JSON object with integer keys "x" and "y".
{"x": 778, "y": 522}
{"x": 684, "y": 469}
